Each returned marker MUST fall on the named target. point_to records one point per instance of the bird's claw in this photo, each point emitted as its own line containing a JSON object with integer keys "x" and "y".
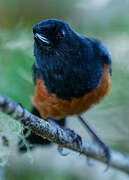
{"x": 88, "y": 161}
{"x": 107, "y": 156}
{"x": 76, "y": 138}
{"x": 106, "y": 151}
{"x": 60, "y": 150}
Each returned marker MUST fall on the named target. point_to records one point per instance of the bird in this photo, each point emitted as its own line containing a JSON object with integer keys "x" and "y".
{"x": 72, "y": 73}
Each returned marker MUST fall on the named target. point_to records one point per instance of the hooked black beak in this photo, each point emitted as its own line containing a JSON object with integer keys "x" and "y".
{"x": 42, "y": 38}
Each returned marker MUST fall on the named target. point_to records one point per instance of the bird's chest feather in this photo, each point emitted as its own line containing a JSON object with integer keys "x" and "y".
{"x": 49, "y": 105}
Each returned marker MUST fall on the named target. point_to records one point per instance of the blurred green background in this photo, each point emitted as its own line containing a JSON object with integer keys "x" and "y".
{"x": 106, "y": 20}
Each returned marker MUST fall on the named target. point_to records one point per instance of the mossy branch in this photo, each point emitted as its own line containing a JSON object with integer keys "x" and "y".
{"x": 61, "y": 136}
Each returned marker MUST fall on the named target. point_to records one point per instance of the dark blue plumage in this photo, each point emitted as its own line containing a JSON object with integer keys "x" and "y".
{"x": 71, "y": 65}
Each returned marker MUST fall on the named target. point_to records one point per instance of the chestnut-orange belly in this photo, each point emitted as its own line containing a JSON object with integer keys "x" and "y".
{"x": 51, "y": 106}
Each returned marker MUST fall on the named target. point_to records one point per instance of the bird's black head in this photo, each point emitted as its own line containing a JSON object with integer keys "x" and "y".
{"x": 49, "y": 35}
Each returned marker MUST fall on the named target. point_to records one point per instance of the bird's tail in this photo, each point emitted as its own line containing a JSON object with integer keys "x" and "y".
{"x": 33, "y": 139}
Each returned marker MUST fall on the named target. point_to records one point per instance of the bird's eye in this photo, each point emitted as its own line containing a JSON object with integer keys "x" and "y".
{"x": 61, "y": 33}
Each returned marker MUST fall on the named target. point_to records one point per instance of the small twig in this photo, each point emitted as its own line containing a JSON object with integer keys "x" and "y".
{"x": 63, "y": 137}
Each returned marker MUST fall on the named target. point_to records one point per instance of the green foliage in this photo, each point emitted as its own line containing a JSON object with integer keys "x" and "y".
{"x": 33, "y": 175}
{"x": 16, "y": 61}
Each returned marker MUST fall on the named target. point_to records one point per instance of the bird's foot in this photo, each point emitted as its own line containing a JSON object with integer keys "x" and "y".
{"x": 106, "y": 150}
{"x": 98, "y": 141}
{"x": 59, "y": 148}
{"x": 76, "y": 138}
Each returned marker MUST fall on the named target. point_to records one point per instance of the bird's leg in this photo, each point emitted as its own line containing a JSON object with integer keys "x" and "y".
{"x": 97, "y": 140}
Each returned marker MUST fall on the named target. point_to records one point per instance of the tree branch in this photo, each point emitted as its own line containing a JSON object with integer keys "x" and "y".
{"x": 62, "y": 136}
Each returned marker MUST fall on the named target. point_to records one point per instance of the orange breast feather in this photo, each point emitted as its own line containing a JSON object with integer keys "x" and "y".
{"x": 51, "y": 106}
